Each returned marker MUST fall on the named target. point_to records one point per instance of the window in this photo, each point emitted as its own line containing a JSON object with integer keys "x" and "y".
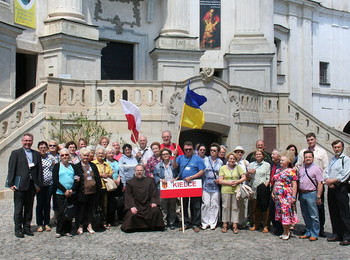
{"x": 324, "y": 73}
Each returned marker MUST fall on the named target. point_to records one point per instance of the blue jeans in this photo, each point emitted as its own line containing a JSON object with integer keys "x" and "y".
{"x": 309, "y": 211}
{"x": 43, "y": 200}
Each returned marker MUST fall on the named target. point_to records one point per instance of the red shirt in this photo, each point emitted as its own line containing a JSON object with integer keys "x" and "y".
{"x": 173, "y": 147}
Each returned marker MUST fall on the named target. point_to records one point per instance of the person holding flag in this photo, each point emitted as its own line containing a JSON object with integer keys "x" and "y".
{"x": 191, "y": 166}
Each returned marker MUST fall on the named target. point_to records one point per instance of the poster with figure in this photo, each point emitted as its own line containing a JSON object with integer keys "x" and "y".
{"x": 210, "y": 24}
{"x": 25, "y": 12}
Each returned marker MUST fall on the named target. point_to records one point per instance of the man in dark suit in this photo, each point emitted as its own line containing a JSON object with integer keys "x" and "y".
{"x": 24, "y": 178}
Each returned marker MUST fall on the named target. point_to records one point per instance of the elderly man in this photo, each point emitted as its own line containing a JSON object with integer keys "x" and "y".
{"x": 173, "y": 147}
{"x": 142, "y": 204}
{"x": 310, "y": 189}
{"x": 336, "y": 178}
{"x": 320, "y": 159}
{"x": 24, "y": 178}
{"x": 191, "y": 167}
{"x": 143, "y": 152}
{"x": 260, "y": 144}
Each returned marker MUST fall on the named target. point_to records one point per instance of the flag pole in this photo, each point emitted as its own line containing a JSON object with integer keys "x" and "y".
{"x": 182, "y": 216}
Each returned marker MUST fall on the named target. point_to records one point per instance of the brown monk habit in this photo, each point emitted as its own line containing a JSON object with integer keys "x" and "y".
{"x": 140, "y": 193}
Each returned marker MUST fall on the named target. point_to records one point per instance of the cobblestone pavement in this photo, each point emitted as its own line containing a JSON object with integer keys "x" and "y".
{"x": 171, "y": 244}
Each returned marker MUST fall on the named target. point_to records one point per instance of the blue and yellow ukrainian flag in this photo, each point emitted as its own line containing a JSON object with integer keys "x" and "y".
{"x": 192, "y": 115}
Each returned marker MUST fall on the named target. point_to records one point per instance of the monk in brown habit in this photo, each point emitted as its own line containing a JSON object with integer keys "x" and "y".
{"x": 142, "y": 204}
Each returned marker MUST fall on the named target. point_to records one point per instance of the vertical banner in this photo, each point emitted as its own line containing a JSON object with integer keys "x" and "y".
{"x": 25, "y": 12}
{"x": 210, "y": 26}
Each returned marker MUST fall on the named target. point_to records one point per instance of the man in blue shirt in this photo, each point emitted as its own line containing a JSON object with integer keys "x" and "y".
{"x": 191, "y": 167}
{"x": 336, "y": 178}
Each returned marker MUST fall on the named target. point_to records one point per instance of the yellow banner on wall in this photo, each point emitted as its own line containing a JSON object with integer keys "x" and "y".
{"x": 25, "y": 12}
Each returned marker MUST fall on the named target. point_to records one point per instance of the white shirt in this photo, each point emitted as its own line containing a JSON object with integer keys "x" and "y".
{"x": 146, "y": 154}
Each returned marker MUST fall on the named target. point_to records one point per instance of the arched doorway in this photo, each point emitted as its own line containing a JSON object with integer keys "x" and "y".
{"x": 347, "y": 128}
{"x": 200, "y": 136}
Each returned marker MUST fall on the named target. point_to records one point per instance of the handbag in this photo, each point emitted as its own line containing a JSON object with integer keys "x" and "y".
{"x": 244, "y": 191}
{"x": 98, "y": 216}
{"x": 70, "y": 210}
{"x": 110, "y": 184}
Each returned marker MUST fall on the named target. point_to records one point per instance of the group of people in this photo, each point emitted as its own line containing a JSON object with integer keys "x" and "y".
{"x": 236, "y": 192}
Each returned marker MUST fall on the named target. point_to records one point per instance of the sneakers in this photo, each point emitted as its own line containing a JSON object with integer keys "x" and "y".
{"x": 57, "y": 235}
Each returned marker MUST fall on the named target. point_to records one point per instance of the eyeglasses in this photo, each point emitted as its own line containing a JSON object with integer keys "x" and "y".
{"x": 65, "y": 155}
{"x": 188, "y": 150}
{"x": 52, "y": 145}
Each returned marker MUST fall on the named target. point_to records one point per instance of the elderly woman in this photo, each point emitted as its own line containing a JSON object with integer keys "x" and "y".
{"x": 90, "y": 184}
{"x": 54, "y": 151}
{"x": 201, "y": 151}
{"x": 114, "y": 197}
{"x": 105, "y": 171}
{"x": 284, "y": 194}
{"x": 64, "y": 182}
{"x": 230, "y": 176}
{"x": 242, "y": 203}
{"x": 43, "y": 197}
{"x": 259, "y": 175}
{"x": 127, "y": 164}
{"x": 103, "y": 141}
{"x": 153, "y": 160}
{"x": 118, "y": 153}
{"x": 72, "y": 148}
{"x": 211, "y": 192}
{"x": 164, "y": 172}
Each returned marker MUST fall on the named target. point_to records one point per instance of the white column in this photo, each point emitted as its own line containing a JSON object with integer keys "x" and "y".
{"x": 71, "y": 9}
{"x": 176, "y": 17}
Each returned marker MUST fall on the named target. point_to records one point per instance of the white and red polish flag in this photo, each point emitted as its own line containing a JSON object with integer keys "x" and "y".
{"x": 133, "y": 115}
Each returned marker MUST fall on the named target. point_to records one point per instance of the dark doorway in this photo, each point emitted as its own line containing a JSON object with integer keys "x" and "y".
{"x": 200, "y": 136}
{"x": 25, "y": 73}
{"x": 270, "y": 138}
{"x": 117, "y": 61}
{"x": 347, "y": 128}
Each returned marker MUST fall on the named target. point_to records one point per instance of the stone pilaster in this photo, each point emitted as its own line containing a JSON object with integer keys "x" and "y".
{"x": 176, "y": 55}
{"x": 251, "y": 54}
{"x": 71, "y": 47}
{"x": 8, "y": 35}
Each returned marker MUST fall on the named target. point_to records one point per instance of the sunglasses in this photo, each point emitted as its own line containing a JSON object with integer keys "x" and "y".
{"x": 52, "y": 145}
{"x": 213, "y": 150}
{"x": 65, "y": 155}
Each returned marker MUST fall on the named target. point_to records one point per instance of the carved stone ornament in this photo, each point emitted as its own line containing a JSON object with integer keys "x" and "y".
{"x": 207, "y": 74}
{"x": 236, "y": 106}
{"x": 171, "y": 107}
